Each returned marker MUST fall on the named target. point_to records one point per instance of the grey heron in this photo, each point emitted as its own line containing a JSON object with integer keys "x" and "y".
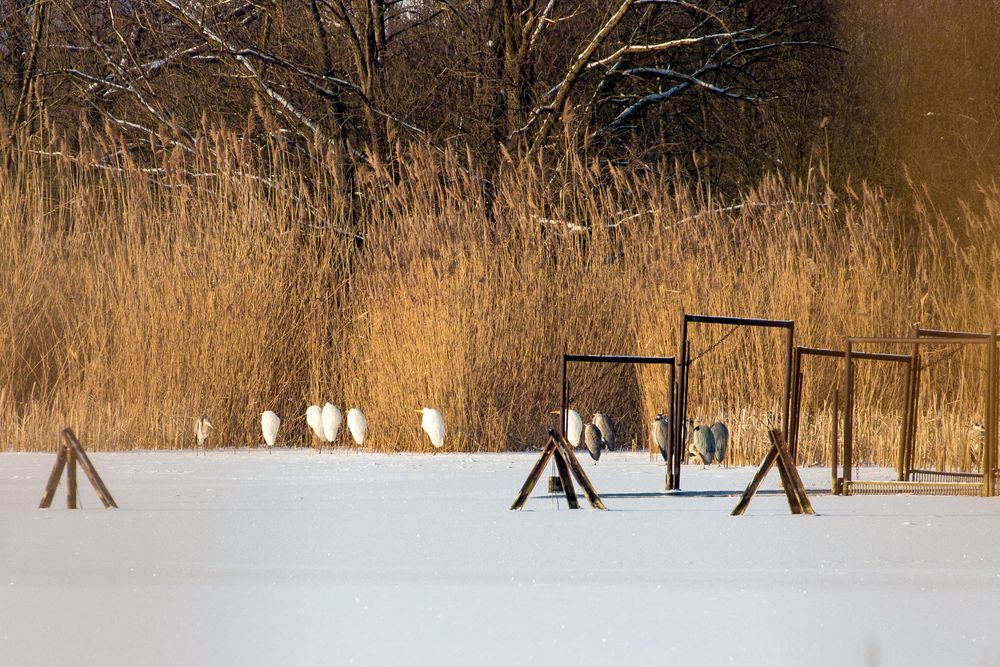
{"x": 660, "y": 431}
{"x": 592, "y": 436}
{"x": 702, "y": 444}
{"x": 604, "y": 422}
{"x": 720, "y": 433}
{"x": 202, "y": 428}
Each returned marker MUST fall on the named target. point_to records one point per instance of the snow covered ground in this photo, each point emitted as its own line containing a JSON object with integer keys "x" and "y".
{"x": 299, "y": 558}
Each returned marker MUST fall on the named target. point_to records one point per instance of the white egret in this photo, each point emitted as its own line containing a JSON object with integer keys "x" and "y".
{"x": 574, "y": 429}
{"x": 604, "y": 422}
{"x": 269, "y": 425}
{"x": 720, "y": 433}
{"x": 332, "y": 419}
{"x": 314, "y": 417}
{"x": 433, "y": 425}
{"x": 202, "y": 428}
{"x": 660, "y": 431}
{"x": 592, "y": 436}
{"x": 357, "y": 425}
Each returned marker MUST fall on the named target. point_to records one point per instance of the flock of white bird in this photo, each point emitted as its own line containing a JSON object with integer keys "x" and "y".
{"x": 325, "y": 423}
{"x": 709, "y": 444}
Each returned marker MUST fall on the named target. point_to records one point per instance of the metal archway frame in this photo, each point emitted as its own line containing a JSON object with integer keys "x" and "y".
{"x": 617, "y": 359}
{"x": 801, "y": 352}
{"x": 674, "y": 475}
{"x": 987, "y": 487}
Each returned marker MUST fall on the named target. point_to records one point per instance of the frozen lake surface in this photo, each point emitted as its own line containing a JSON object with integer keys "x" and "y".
{"x": 250, "y": 558}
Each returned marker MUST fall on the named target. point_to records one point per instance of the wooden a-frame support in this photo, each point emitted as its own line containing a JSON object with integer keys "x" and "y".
{"x": 69, "y": 455}
{"x": 798, "y": 500}
{"x": 568, "y": 466}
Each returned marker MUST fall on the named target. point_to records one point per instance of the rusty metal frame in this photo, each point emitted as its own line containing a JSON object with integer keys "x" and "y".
{"x": 801, "y": 352}
{"x": 924, "y": 337}
{"x": 612, "y": 359}
{"x": 674, "y": 474}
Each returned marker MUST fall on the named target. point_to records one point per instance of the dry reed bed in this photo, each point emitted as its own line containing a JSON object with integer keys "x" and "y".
{"x": 135, "y": 301}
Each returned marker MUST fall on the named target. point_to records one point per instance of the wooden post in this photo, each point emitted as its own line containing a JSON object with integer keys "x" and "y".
{"x": 585, "y": 484}
{"x": 567, "y": 479}
{"x": 536, "y": 472}
{"x": 758, "y": 477}
{"x": 89, "y": 470}
{"x": 53, "y": 483}
{"x": 71, "y": 492}
{"x": 568, "y": 466}
{"x": 795, "y": 492}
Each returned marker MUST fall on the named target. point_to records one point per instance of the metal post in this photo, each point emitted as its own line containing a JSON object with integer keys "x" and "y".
{"x": 681, "y": 404}
{"x": 907, "y": 423}
{"x": 789, "y": 347}
{"x": 672, "y": 414}
{"x": 793, "y": 441}
{"x": 989, "y": 447}
{"x": 848, "y": 417}
{"x": 835, "y": 482}
{"x": 564, "y": 415}
{"x": 911, "y": 446}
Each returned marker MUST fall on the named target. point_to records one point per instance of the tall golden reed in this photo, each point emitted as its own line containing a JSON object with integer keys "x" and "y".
{"x": 136, "y": 298}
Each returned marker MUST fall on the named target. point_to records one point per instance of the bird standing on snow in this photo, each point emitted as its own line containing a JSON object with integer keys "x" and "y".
{"x": 269, "y": 425}
{"x": 574, "y": 427}
{"x": 314, "y": 417}
{"x": 433, "y": 424}
{"x": 720, "y": 433}
{"x": 357, "y": 425}
{"x": 202, "y": 428}
{"x": 604, "y": 422}
{"x": 660, "y": 431}
{"x": 702, "y": 444}
{"x": 332, "y": 418}
{"x": 592, "y": 436}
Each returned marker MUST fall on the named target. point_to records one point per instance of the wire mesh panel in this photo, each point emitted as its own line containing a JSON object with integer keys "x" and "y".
{"x": 893, "y": 488}
{"x": 945, "y": 476}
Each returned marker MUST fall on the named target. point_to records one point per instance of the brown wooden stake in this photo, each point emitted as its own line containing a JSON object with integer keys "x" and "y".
{"x": 567, "y": 479}
{"x": 758, "y": 477}
{"x": 71, "y": 492}
{"x": 89, "y": 470}
{"x": 574, "y": 465}
{"x": 535, "y": 474}
{"x": 53, "y": 483}
{"x": 568, "y": 466}
{"x": 796, "y": 491}
{"x": 798, "y": 499}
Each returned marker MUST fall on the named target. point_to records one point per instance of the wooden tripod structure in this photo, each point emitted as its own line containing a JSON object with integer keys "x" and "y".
{"x": 798, "y": 500}
{"x": 568, "y": 466}
{"x": 69, "y": 455}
